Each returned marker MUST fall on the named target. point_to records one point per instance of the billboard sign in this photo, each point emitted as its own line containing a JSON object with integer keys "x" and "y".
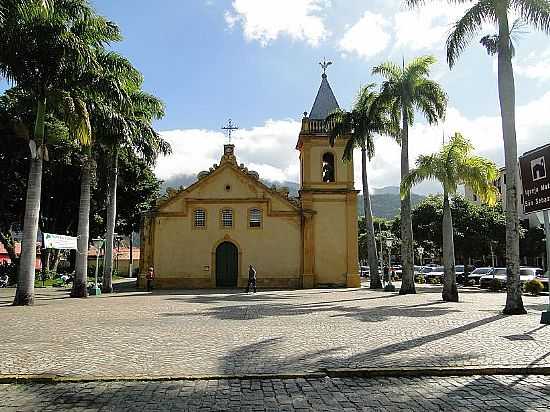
{"x": 535, "y": 179}
{"x": 52, "y": 241}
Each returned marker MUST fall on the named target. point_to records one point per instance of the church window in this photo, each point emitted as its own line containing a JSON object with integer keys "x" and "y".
{"x": 227, "y": 218}
{"x": 328, "y": 168}
{"x": 199, "y": 218}
{"x": 255, "y": 218}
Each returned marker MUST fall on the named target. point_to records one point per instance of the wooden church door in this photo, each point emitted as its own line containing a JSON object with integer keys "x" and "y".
{"x": 227, "y": 264}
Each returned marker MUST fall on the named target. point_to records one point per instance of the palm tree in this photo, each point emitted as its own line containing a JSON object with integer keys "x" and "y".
{"x": 408, "y": 89}
{"x": 369, "y": 117}
{"x": 454, "y": 165}
{"x": 39, "y": 38}
{"x": 132, "y": 127}
{"x": 91, "y": 90}
{"x": 537, "y": 14}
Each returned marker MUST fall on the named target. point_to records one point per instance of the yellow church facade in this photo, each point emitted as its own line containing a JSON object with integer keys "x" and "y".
{"x": 206, "y": 235}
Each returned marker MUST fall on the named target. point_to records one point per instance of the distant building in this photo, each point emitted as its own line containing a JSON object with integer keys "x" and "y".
{"x": 531, "y": 220}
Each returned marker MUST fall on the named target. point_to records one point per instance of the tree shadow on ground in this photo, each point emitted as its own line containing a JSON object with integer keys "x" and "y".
{"x": 271, "y": 309}
{"x": 244, "y": 358}
{"x": 311, "y": 394}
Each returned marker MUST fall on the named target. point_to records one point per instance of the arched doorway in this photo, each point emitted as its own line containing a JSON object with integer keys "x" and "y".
{"x": 227, "y": 265}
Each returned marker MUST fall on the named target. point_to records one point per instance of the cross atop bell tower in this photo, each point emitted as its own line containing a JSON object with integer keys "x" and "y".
{"x": 229, "y": 128}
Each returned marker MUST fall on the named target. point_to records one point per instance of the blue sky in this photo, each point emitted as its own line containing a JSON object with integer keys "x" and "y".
{"x": 257, "y": 62}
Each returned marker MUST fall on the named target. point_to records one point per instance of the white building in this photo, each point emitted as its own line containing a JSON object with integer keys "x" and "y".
{"x": 500, "y": 183}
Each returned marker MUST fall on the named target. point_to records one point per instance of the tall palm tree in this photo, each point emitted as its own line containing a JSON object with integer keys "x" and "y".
{"x": 132, "y": 128}
{"x": 408, "y": 89}
{"x": 92, "y": 88}
{"x": 454, "y": 165}
{"x": 368, "y": 117}
{"x": 39, "y": 38}
{"x": 537, "y": 14}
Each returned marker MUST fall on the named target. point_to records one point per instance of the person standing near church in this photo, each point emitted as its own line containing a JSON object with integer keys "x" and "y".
{"x": 251, "y": 278}
{"x": 150, "y": 278}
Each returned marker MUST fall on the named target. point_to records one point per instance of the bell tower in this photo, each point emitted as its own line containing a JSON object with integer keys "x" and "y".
{"x": 328, "y": 198}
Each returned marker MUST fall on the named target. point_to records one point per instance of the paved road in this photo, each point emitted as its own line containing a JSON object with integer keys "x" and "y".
{"x": 495, "y": 393}
{"x": 231, "y": 333}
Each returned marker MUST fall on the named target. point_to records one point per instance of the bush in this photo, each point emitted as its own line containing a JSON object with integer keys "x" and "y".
{"x": 435, "y": 281}
{"x": 496, "y": 285}
{"x": 533, "y": 287}
{"x": 10, "y": 270}
{"x": 419, "y": 279}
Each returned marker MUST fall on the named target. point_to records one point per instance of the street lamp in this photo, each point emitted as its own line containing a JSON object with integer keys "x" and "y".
{"x": 389, "y": 287}
{"x": 98, "y": 245}
{"x": 420, "y": 253}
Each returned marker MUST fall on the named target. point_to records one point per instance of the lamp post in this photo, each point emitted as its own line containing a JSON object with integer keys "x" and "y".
{"x": 420, "y": 253}
{"x": 389, "y": 287}
{"x": 98, "y": 245}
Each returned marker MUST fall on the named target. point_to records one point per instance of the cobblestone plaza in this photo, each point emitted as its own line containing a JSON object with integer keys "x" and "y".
{"x": 228, "y": 335}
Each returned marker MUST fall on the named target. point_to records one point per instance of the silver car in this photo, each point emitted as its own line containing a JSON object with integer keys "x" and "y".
{"x": 478, "y": 273}
{"x": 525, "y": 275}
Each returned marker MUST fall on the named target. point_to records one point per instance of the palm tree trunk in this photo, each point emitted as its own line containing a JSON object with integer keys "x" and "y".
{"x": 131, "y": 261}
{"x": 111, "y": 221}
{"x": 81, "y": 273}
{"x": 506, "y": 92}
{"x": 375, "y": 281}
{"x": 25, "y": 282}
{"x": 450, "y": 290}
{"x": 407, "y": 256}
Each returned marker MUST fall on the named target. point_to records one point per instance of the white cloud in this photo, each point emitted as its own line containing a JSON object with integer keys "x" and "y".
{"x": 535, "y": 66}
{"x": 367, "y": 37}
{"x": 426, "y": 27}
{"x": 268, "y": 149}
{"x": 485, "y": 132}
{"x": 265, "y": 21}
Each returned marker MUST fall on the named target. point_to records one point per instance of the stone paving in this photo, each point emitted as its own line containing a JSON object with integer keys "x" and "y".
{"x": 475, "y": 393}
{"x": 184, "y": 333}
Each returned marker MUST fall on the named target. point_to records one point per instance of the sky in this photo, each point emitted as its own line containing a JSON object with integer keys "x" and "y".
{"x": 256, "y": 61}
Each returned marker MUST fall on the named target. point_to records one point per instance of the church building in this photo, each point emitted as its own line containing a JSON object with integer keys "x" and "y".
{"x": 206, "y": 235}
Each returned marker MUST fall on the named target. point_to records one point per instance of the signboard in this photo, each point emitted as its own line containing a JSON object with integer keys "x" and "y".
{"x": 52, "y": 241}
{"x": 535, "y": 179}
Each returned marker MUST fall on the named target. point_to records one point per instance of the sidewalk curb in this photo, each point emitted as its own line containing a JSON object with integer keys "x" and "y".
{"x": 326, "y": 373}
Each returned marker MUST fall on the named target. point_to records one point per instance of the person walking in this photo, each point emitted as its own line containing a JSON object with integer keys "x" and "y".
{"x": 150, "y": 278}
{"x": 386, "y": 274}
{"x": 251, "y": 278}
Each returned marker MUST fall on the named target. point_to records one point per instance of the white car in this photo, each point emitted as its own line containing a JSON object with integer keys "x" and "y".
{"x": 478, "y": 273}
{"x": 525, "y": 275}
{"x": 436, "y": 272}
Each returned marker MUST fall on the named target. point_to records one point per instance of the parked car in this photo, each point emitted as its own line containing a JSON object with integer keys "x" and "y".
{"x": 398, "y": 271}
{"x": 461, "y": 275}
{"x": 478, "y": 273}
{"x": 525, "y": 274}
{"x": 434, "y": 273}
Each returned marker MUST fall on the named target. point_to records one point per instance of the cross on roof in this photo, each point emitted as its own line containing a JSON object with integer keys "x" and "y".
{"x": 324, "y": 65}
{"x": 229, "y": 128}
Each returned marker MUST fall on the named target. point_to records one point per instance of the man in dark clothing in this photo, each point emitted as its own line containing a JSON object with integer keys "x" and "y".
{"x": 150, "y": 278}
{"x": 386, "y": 273}
{"x": 251, "y": 278}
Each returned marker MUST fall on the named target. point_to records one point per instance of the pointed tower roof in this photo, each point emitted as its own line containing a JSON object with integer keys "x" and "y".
{"x": 325, "y": 102}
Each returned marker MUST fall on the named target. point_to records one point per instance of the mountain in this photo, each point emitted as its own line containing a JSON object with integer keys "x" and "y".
{"x": 386, "y": 201}
{"x": 386, "y": 205}
{"x": 187, "y": 180}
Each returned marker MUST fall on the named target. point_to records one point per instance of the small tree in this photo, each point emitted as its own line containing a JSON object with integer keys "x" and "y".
{"x": 454, "y": 165}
